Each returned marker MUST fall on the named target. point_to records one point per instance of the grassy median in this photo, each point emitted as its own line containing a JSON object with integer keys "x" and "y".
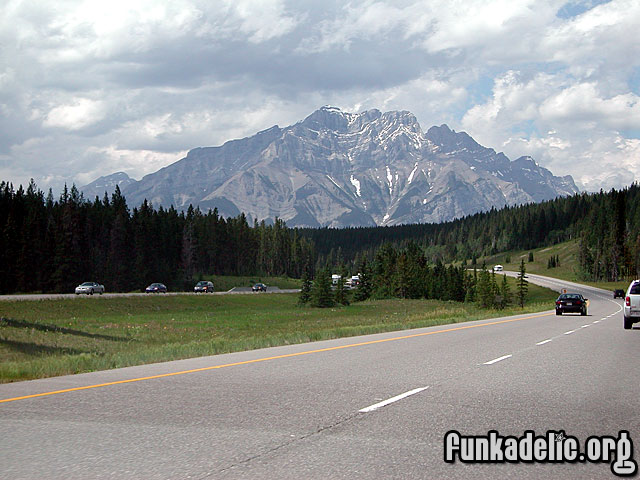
{"x": 56, "y": 337}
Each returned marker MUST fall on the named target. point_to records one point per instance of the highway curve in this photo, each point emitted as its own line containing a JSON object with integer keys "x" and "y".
{"x": 374, "y": 406}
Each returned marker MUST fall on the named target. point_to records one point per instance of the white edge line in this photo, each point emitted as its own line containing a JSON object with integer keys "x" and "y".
{"x": 495, "y": 360}
{"x": 544, "y": 341}
{"x": 391, "y": 400}
{"x": 569, "y": 332}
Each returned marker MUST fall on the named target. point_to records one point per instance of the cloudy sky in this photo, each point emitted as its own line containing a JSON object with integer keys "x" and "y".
{"x": 90, "y": 88}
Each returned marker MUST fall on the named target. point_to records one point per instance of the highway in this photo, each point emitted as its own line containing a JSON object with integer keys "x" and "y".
{"x": 54, "y": 296}
{"x": 370, "y": 407}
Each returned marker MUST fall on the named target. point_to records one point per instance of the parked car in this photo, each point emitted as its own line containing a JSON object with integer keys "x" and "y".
{"x": 259, "y": 287}
{"x": 571, "y": 302}
{"x": 156, "y": 288}
{"x": 90, "y": 288}
{"x": 618, "y": 293}
{"x": 203, "y": 286}
{"x": 632, "y": 305}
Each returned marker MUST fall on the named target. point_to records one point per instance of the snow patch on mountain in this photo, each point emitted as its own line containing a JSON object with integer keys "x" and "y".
{"x": 285, "y": 172}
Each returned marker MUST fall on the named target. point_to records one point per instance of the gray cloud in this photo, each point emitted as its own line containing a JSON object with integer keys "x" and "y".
{"x": 88, "y": 89}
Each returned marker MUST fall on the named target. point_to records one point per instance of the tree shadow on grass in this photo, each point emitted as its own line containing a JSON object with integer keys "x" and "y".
{"x": 54, "y": 328}
{"x": 35, "y": 349}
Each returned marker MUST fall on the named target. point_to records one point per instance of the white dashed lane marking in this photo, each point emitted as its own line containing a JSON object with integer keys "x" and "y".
{"x": 496, "y": 360}
{"x": 384, "y": 403}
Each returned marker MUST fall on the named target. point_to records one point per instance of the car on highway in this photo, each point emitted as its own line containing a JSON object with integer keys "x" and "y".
{"x": 571, "y": 302}
{"x": 90, "y": 288}
{"x": 156, "y": 288}
{"x": 259, "y": 287}
{"x": 618, "y": 293}
{"x": 203, "y": 286}
{"x": 632, "y": 305}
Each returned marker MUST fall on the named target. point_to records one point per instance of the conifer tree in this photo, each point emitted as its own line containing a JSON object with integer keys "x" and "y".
{"x": 364, "y": 289}
{"x": 505, "y": 293}
{"x": 470, "y": 287}
{"x": 522, "y": 285}
{"x": 321, "y": 294}
{"x": 484, "y": 289}
{"x": 341, "y": 294}
{"x": 305, "y": 291}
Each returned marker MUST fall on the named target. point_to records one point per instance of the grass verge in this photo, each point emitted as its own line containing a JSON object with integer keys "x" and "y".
{"x": 46, "y": 338}
{"x": 566, "y": 252}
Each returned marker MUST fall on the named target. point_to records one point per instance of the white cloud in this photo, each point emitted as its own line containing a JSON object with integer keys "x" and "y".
{"x": 365, "y": 20}
{"x": 582, "y": 127}
{"x": 91, "y": 88}
{"x": 261, "y": 20}
{"x": 583, "y": 106}
{"x": 80, "y": 113}
{"x": 135, "y": 163}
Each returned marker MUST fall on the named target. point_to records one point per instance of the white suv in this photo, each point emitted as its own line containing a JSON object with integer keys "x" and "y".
{"x": 632, "y": 305}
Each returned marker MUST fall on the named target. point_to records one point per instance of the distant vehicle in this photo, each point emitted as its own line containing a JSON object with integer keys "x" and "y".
{"x": 632, "y": 305}
{"x": 497, "y": 268}
{"x": 571, "y": 302}
{"x": 156, "y": 288}
{"x": 335, "y": 279}
{"x": 90, "y": 288}
{"x": 203, "y": 286}
{"x": 355, "y": 281}
{"x": 259, "y": 287}
{"x": 618, "y": 293}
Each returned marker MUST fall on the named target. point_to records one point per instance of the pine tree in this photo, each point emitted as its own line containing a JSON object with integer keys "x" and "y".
{"x": 484, "y": 290}
{"x": 470, "y": 287}
{"x": 305, "y": 291}
{"x": 321, "y": 294}
{"x": 364, "y": 289}
{"x": 522, "y": 285}
{"x": 341, "y": 295}
{"x": 505, "y": 293}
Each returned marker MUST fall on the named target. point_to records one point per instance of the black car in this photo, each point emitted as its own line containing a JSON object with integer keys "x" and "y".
{"x": 571, "y": 302}
{"x": 203, "y": 286}
{"x": 259, "y": 287}
{"x": 618, "y": 293}
{"x": 156, "y": 288}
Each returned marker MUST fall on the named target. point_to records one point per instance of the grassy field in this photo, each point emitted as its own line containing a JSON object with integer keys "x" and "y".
{"x": 64, "y": 336}
{"x": 568, "y": 269}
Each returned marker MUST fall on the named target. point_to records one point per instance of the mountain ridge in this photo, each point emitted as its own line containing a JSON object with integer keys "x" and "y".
{"x": 338, "y": 169}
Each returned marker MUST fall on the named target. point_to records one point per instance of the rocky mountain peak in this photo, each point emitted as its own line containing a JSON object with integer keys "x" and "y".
{"x": 340, "y": 169}
{"x": 450, "y": 141}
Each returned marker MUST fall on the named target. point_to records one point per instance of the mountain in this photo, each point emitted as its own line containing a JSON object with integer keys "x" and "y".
{"x": 108, "y": 183}
{"x": 340, "y": 169}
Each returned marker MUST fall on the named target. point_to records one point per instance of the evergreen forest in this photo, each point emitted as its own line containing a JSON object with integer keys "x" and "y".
{"x": 52, "y": 244}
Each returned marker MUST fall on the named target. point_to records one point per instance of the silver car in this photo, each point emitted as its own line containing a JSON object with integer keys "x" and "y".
{"x": 90, "y": 288}
{"x": 632, "y": 305}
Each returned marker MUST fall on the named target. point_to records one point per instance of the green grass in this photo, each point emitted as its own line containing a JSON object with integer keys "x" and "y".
{"x": 56, "y": 337}
{"x": 568, "y": 269}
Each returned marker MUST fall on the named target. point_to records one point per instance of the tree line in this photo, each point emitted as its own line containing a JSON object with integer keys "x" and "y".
{"x": 606, "y": 224}
{"x": 51, "y": 245}
{"x": 406, "y": 273}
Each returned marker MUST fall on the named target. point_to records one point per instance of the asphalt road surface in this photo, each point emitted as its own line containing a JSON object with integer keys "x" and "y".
{"x": 374, "y": 407}
{"x": 53, "y": 296}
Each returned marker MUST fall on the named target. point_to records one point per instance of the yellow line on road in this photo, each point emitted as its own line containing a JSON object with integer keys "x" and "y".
{"x": 264, "y": 359}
